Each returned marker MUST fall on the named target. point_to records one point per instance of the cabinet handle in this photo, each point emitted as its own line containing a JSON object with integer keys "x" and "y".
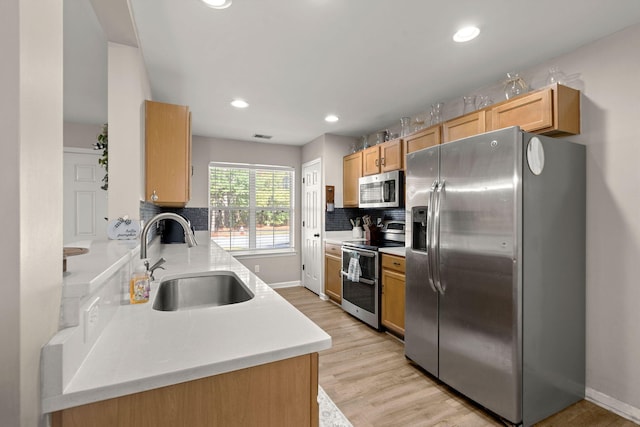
{"x": 396, "y": 263}
{"x": 377, "y": 162}
{"x": 383, "y": 162}
{"x": 154, "y": 196}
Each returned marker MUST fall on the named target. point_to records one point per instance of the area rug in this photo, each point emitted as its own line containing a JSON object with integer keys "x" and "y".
{"x": 330, "y": 415}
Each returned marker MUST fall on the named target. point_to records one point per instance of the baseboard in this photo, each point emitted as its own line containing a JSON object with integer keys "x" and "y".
{"x": 285, "y": 284}
{"x": 611, "y": 404}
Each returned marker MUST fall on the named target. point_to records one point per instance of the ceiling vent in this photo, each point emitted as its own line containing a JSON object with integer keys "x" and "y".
{"x": 258, "y": 135}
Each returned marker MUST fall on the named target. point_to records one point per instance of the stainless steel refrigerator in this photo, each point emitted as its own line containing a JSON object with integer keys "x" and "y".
{"x": 495, "y": 270}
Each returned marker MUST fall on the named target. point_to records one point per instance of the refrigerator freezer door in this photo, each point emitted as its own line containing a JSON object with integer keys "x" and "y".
{"x": 421, "y": 318}
{"x": 480, "y": 324}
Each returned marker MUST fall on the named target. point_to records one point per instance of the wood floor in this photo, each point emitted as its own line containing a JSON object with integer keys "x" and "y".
{"x": 366, "y": 374}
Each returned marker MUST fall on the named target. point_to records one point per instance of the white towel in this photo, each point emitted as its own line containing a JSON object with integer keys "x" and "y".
{"x": 354, "y": 272}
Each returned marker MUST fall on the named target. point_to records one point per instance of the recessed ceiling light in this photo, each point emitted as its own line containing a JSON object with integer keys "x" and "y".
{"x": 217, "y": 4}
{"x": 465, "y": 34}
{"x": 239, "y": 103}
{"x": 331, "y": 118}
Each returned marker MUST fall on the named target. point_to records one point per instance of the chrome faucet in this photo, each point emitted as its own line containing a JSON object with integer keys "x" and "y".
{"x": 189, "y": 238}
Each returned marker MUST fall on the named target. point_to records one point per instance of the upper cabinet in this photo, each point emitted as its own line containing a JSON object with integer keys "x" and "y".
{"x": 464, "y": 126}
{"x": 554, "y": 110}
{"x": 423, "y": 139}
{"x": 167, "y": 154}
{"x": 384, "y": 157}
{"x": 351, "y": 173}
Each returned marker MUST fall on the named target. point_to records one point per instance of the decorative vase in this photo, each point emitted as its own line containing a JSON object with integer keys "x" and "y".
{"x": 514, "y": 86}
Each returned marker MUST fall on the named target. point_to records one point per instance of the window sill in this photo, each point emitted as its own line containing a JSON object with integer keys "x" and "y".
{"x": 263, "y": 253}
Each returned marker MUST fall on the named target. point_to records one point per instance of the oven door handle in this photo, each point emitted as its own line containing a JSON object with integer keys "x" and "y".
{"x": 362, "y": 280}
{"x": 362, "y": 253}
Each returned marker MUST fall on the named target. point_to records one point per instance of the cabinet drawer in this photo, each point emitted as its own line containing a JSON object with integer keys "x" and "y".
{"x": 332, "y": 249}
{"x": 393, "y": 262}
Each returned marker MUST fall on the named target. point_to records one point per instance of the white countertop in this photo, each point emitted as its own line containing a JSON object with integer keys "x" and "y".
{"x": 401, "y": 251}
{"x": 142, "y": 349}
{"x": 88, "y": 271}
{"x": 338, "y": 237}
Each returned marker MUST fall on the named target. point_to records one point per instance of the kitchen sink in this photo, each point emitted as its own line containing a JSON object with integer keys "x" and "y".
{"x": 200, "y": 290}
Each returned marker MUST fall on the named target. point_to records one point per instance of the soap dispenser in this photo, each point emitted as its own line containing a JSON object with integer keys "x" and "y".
{"x": 139, "y": 285}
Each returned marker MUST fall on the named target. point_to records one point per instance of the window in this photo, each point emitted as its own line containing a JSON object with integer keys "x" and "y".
{"x": 251, "y": 207}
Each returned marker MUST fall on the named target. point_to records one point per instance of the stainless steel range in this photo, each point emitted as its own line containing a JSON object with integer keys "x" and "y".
{"x": 361, "y": 284}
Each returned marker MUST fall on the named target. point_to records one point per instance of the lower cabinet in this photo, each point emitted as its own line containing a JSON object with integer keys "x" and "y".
{"x": 333, "y": 272}
{"x": 282, "y": 393}
{"x": 393, "y": 293}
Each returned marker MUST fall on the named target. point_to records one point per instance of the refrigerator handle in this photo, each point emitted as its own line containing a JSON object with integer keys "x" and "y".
{"x": 430, "y": 249}
{"x": 436, "y": 239}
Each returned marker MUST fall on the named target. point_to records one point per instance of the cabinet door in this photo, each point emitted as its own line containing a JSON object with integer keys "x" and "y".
{"x": 351, "y": 173}
{"x": 391, "y": 156}
{"x": 423, "y": 139}
{"x": 333, "y": 277}
{"x": 371, "y": 161}
{"x": 531, "y": 112}
{"x": 464, "y": 126}
{"x": 393, "y": 300}
{"x": 167, "y": 153}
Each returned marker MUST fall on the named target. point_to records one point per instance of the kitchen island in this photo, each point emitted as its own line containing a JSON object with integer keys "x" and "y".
{"x": 244, "y": 358}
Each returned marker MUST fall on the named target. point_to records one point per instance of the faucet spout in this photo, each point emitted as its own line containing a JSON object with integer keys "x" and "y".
{"x": 189, "y": 238}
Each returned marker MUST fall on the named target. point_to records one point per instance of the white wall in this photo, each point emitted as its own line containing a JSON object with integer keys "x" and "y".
{"x": 607, "y": 73}
{"x": 331, "y": 148}
{"x": 31, "y": 185}
{"x": 335, "y": 148}
{"x": 276, "y": 269}
{"x": 81, "y": 135}
{"x": 10, "y": 209}
{"x": 128, "y": 89}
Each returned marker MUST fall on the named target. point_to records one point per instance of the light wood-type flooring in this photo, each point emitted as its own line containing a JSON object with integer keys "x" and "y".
{"x": 366, "y": 374}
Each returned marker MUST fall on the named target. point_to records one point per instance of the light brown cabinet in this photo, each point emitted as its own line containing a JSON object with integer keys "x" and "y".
{"x": 274, "y": 394}
{"x": 393, "y": 293}
{"x": 332, "y": 271}
{"x": 167, "y": 154}
{"x": 351, "y": 173}
{"x": 384, "y": 157}
{"x": 464, "y": 126}
{"x": 554, "y": 110}
{"x": 423, "y": 139}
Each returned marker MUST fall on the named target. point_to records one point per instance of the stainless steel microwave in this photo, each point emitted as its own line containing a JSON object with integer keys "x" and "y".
{"x": 384, "y": 190}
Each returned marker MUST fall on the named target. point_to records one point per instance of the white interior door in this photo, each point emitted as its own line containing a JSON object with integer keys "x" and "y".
{"x": 312, "y": 226}
{"x": 85, "y": 203}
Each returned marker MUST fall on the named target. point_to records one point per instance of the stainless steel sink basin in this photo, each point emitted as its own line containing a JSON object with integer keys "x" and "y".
{"x": 198, "y": 290}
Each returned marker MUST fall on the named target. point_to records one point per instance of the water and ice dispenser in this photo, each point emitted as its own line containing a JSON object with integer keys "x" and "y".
{"x": 419, "y": 228}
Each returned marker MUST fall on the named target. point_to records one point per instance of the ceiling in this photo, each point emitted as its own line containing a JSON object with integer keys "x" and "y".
{"x": 294, "y": 61}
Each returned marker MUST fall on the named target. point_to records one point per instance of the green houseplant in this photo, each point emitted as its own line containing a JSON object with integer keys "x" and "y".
{"x": 103, "y": 144}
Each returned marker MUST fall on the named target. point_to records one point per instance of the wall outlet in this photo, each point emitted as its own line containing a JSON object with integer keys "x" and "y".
{"x": 256, "y": 268}
{"x": 91, "y": 318}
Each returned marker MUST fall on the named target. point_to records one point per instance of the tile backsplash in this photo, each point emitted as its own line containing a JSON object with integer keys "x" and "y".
{"x": 338, "y": 220}
{"x": 199, "y": 217}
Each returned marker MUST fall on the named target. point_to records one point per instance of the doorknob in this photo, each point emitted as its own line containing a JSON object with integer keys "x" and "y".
{"x": 316, "y": 235}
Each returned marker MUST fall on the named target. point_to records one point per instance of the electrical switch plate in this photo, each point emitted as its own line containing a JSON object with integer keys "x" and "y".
{"x": 256, "y": 268}
{"x": 91, "y": 318}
